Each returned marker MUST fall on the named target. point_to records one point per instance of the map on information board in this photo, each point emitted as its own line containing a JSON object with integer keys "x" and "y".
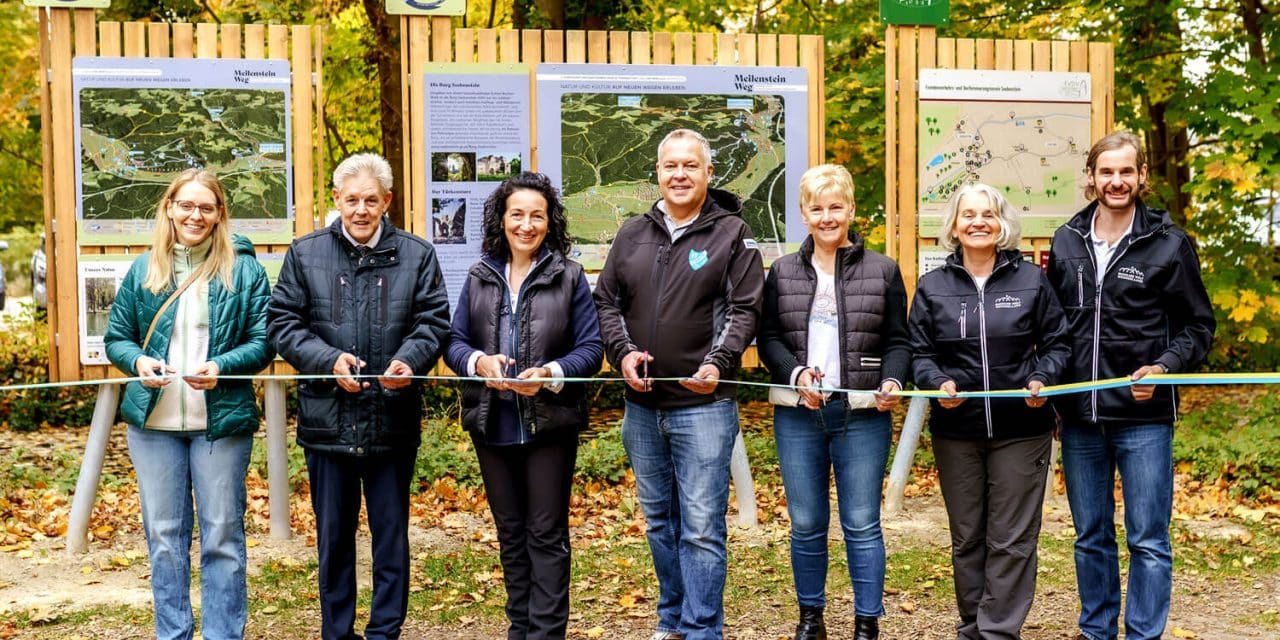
{"x": 143, "y": 121}
{"x": 1024, "y": 133}
{"x": 608, "y": 156}
{"x": 599, "y": 129}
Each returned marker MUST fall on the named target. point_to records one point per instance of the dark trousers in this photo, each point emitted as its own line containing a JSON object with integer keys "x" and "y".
{"x": 528, "y": 488}
{"x": 994, "y": 492}
{"x": 336, "y": 484}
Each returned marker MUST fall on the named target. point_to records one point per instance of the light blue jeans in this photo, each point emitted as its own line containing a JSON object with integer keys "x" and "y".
{"x": 1143, "y": 454}
{"x": 855, "y": 445}
{"x": 681, "y": 461}
{"x": 170, "y": 467}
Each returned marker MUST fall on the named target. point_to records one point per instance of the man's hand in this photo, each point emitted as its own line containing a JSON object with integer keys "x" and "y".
{"x": 204, "y": 378}
{"x": 1143, "y": 392}
{"x": 535, "y": 376}
{"x": 807, "y": 384}
{"x": 494, "y": 367}
{"x": 884, "y": 401}
{"x": 704, "y": 380}
{"x": 950, "y": 388}
{"x": 1035, "y": 401}
{"x": 396, "y": 368}
{"x": 630, "y": 373}
{"x": 151, "y": 371}
{"x": 345, "y": 367}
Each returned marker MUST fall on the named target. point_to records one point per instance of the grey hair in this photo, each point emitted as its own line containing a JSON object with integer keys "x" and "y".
{"x": 678, "y": 134}
{"x": 1010, "y": 228}
{"x": 364, "y": 163}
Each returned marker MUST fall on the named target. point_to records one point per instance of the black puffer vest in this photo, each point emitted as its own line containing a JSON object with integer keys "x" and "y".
{"x": 872, "y": 311}
{"x": 543, "y": 331}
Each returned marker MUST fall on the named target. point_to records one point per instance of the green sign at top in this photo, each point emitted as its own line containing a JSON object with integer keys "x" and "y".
{"x": 427, "y": 7}
{"x": 920, "y": 12}
{"x": 69, "y": 4}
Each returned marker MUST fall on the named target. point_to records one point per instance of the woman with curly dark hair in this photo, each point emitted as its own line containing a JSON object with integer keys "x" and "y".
{"x": 525, "y": 320}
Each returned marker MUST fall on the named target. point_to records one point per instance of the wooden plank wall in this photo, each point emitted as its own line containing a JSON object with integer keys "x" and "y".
{"x": 909, "y": 49}
{"x": 65, "y": 33}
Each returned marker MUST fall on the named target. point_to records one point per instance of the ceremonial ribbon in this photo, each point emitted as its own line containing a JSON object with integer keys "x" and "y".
{"x": 1178, "y": 379}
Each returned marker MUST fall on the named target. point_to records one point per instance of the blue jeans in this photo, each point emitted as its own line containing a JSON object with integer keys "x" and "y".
{"x": 681, "y": 461}
{"x": 169, "y": 467}
{"x": 856, "y": 445}
{"x": 1144, "y": 456}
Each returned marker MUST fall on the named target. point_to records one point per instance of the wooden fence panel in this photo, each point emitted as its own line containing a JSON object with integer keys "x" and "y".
{"x": 662, "y": 48}
{"x": 184, "y": 40}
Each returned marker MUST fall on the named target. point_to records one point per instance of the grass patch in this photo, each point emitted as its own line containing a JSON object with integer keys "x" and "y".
{"x": 1235, "y": 444}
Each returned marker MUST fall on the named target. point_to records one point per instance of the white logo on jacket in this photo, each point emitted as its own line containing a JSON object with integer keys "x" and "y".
{"x": 1008, "y": 302}
{"x": 1132, "y": 274}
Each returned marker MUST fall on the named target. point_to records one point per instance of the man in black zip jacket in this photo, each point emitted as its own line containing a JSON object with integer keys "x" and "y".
{"x": 360, "y": 297}
{"x": 1129, "y": 281}
{"x": 680, "y": 296}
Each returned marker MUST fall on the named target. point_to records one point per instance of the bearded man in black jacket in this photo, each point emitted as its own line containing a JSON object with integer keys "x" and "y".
{"x": 1129, "y": 282}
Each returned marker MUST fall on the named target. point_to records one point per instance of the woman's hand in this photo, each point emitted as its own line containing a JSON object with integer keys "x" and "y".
{"x": 494, "y": 367}
{"x": 535, "y": 376}
{"x": 807, "y": 383}
{"x": 204, "y": 378}
{"x": 950, "y": 388}
{"x": 884, "y": 401}
{"x": 152, "y": 371}
{"x": 1035, "y": 401}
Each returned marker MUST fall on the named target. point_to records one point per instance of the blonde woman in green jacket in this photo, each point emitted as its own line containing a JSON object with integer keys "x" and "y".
{"x": 189, "y": 311}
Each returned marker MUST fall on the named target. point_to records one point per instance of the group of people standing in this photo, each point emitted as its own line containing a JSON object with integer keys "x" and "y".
{"x": 362, "y": 306}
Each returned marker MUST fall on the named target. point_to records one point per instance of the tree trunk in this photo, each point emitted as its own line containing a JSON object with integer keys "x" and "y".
{"x": 554, "y": 10}
{"x": 1167, "y": 140}
{"x": 1167, "y": 146}
{"x": 386, "y": 54}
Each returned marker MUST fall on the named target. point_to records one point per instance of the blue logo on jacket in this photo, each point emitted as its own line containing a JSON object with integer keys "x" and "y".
{"x": 697, "y": 259}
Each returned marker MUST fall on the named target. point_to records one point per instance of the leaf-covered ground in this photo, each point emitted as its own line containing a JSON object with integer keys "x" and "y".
{"x": 1227, "y": 583}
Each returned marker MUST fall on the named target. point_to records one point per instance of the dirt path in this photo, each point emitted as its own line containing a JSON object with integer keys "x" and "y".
{"x": 49, "y": 583}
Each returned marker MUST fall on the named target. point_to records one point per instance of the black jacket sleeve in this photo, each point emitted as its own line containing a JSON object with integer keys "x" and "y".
{"x": 289, "y": 321}
{"x": 610, "y": 296}
{"x": 743, "y": 297}
{"x": 1053, "y": 348}
{"x": 429, "y": 319}
{"x": 1191, "y": 322}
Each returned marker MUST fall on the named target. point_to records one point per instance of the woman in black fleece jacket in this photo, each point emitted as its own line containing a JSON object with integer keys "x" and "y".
{"x": 986, "y": 320}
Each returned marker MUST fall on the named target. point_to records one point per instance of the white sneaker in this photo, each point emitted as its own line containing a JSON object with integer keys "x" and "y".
{"x": 666, "y": 635}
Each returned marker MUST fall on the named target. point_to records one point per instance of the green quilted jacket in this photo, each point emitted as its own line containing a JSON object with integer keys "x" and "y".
{"x": 237, "y": 341}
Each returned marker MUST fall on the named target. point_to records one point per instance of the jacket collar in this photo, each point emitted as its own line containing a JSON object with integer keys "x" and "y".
{"x": 386, "y": 244}
{"x": 1146, "y": 221}
{"x": 844, "y": 255}
{"x": 546, "y": 265}
{"x": 1004, "y": 257}
{"x": 719, "y": 203}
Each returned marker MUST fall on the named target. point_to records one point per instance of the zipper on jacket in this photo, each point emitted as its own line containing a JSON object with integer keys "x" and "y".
{"x": 382, "y": 299}
{"x": 982, "y": 339}
{"x": 339, "y": 298}
{"x": 982, "y": 342}
{"x": 1097, "y": 301}
{"x": 664, "y": 258}
{"x": 514, "y": 327}
{"x": 964, "y": 315}
{"x": 1080, "y": 283}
